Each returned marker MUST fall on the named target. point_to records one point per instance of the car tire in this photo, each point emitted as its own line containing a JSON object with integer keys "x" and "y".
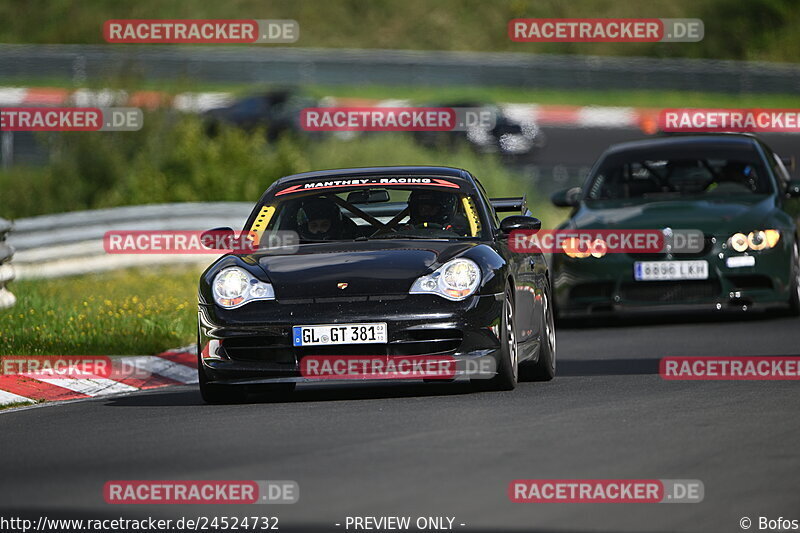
{"x": 544, "y": 369}
{"x": 508, "y": 364}
{"x": 214, "y": 393}
{"x": 794, "y": 287}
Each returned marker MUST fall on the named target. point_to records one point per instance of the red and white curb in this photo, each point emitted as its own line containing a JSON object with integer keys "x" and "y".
{"x": 545, "y": 115}
{"x": 175, "y": 367}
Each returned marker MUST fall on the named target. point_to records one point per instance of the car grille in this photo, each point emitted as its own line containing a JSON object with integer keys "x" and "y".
{"x": 264, "y": 348}
{"x": 592, "y": 290}
{"x": 750, "y": 281}
{"x": 670, "y": 291}
{"x": 278, "y": 349}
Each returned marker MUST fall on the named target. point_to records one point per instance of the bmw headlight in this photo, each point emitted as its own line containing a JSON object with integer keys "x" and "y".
{"x": 599, "y": 248}
{"x": 234, "y": 287}
{"x": 755, "y": 240}
{"x": 455, "y": 280}
{"x": 577, "y": 249}
{"x": 738, "y": 242}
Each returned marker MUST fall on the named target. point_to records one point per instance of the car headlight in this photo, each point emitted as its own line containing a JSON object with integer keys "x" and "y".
{"x": 739, "y": 242}
{"x": 599, "y": 248}
{"x": 574, "y": 248}
{"x": 234, "y": 287}
{"x": 755, "y": 240}
{"x": 577, "y": 249}
{"x": 773, "y": 236}
{"x": 455, "y": 280}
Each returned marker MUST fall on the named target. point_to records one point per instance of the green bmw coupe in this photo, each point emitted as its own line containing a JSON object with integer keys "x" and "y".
{"x": 731, "y": 187}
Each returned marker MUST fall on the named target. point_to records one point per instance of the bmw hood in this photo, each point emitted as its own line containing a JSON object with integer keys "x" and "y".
{"x": 346, "y": 269}
{"x": 709, "y": 215}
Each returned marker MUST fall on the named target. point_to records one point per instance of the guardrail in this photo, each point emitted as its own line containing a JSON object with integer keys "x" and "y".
{"x": 6, "y": 270}
{"x": 67, "y": 244}
{"x": 255, "y": 64}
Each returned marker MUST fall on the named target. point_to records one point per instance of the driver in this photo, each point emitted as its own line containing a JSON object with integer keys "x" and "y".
{"x": 432, "y": 209}
{"x": 735, "y": 172}
{"x": 732, "y": 177}
{"x": 323, "y": 220}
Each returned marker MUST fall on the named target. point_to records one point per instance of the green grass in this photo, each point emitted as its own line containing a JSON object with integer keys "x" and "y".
{"x": 18, "y": 404}
{"x": 755, "y": 29}
{"x": 129, "y": 312}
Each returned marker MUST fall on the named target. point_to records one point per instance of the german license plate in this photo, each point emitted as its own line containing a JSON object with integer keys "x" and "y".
{"x": 332, "y": 334}
{"x": 669, "y": 270}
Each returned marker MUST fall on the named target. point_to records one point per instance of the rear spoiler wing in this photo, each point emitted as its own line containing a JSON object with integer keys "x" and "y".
{"x": 517, "y": 204}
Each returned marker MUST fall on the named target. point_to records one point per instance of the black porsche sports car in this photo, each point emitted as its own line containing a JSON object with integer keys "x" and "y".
{"x": 392, "y": 263}
{"x": 731, "y": 187}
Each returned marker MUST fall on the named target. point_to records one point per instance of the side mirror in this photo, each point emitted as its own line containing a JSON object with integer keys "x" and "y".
{"x": 793, "y": 189}
{"x": 519, "y": 222}
{"x": 566, "y": 197}
{"x": 218, "y": 238}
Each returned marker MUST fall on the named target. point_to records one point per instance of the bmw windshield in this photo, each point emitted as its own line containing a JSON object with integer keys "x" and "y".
{"x": 676, "y": 173}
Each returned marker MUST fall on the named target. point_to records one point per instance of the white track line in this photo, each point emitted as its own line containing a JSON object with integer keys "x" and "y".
{"x": 87, "y": 386}
{"x": 9, "y": 397}
{"x": 607, "y": 117}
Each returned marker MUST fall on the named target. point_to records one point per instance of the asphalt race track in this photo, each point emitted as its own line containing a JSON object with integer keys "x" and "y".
{"x": 441, "y": 450}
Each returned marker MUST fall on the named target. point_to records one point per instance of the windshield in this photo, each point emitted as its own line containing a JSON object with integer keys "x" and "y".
{"x": 377, "y": 213}
{"x": 672, "y": 174}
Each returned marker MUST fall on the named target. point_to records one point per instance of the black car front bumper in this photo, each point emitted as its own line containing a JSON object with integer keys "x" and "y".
{"x": 253, "y": 344}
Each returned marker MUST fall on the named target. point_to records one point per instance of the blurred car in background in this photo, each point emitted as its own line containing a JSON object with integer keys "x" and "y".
{"x": 277, "y": 111}
{"x": 513, "y": 134}
{"x": 732, "y": 187}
